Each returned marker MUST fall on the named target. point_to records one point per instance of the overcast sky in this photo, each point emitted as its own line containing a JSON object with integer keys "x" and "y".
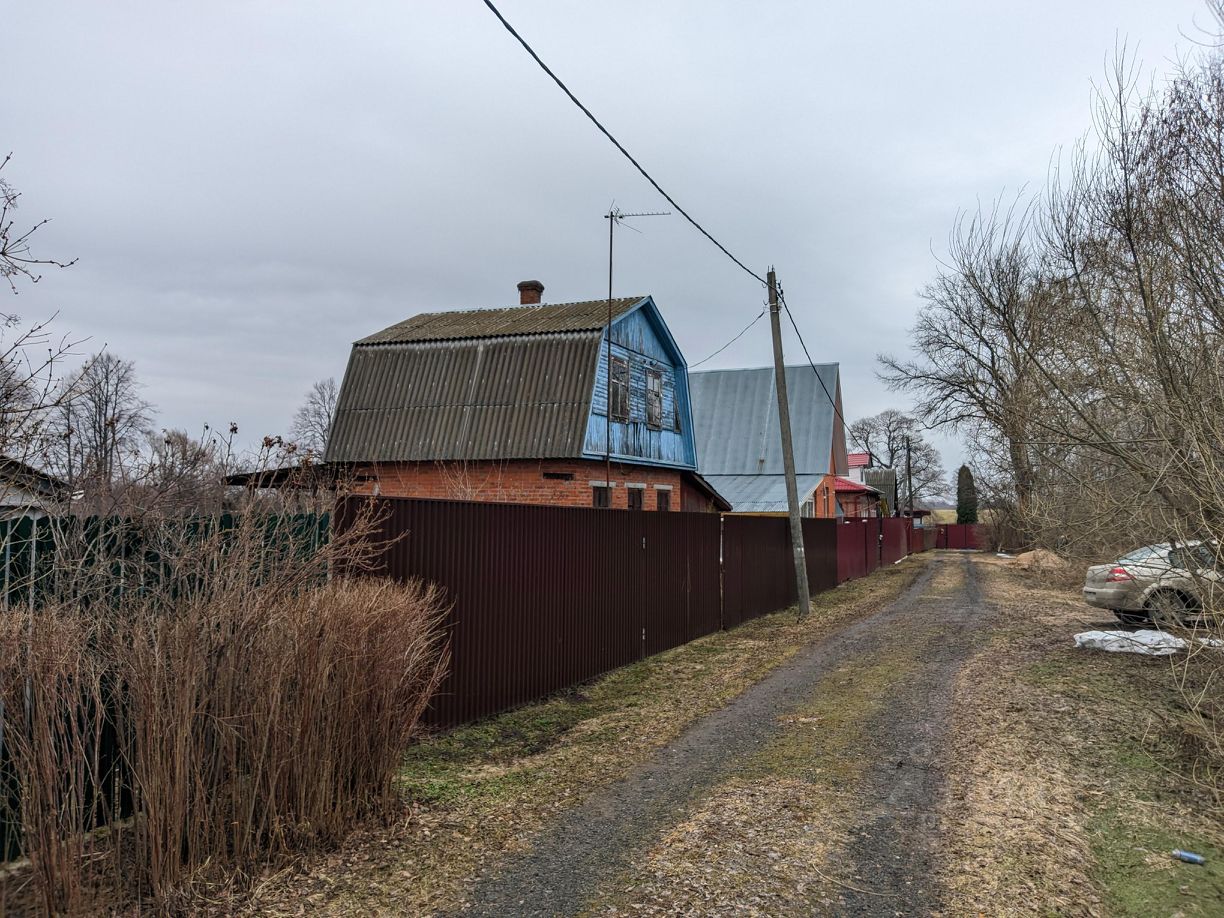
{"x": 252, "y": 186}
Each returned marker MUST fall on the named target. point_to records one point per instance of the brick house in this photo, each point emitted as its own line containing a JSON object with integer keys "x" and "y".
{"x": 512, "y": 405}
{"x": 838, "y": 496}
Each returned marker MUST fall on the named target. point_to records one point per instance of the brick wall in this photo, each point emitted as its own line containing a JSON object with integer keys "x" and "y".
{"x": 524, "y": 482}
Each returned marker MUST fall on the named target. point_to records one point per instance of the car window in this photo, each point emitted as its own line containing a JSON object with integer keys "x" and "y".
{"x": 1204, "y": 556}
{"x": 1192, "y": 558}
{"x": 1139, "y": 554}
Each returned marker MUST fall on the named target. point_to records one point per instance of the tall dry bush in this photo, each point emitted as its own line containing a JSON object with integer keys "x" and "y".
{"x": 213, "y": 697}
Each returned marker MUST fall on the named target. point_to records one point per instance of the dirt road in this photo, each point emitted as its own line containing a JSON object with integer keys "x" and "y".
{"x": 812, "y": 792}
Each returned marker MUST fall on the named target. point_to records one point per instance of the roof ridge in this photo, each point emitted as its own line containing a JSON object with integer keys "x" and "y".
{"x": 524, "y": 319}
{"x": 523, "y": 306}
{"x": 768, "y": 366}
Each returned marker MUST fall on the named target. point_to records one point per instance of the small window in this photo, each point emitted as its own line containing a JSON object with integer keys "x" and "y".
{"x": 601, "y": 497}
{"x": 654, "y": 398}
{"x": 619, "y": 395}
{"x": 635, "y": 498}
{"x": 559, "y": 476}
{"x": 663, "y": 501}
{"x": 676, "y": 415}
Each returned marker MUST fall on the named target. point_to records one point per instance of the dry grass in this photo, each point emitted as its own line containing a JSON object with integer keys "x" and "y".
{"x": 254, "y": 709}
{"x": 1066, "y": 796}
{"x": 760, "y": 842}
{"x": 488, "y": 788}
{"x": 750, "y": 848}
{"x": 1017, "y": 843}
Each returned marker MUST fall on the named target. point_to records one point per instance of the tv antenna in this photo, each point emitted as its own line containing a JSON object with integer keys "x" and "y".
{"x": 615, "y": 216}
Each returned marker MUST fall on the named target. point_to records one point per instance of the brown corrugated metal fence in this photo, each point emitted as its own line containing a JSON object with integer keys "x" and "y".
{"x": 545, "y": 597}
{"x": 961, "y": 536}
{"x": 542, "y": 598}
{"x": 758, "y": 567}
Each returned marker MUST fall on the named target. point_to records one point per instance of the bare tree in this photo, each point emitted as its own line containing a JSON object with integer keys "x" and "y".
{"x": 182, "y": 474}
{"x": 30, "y": 353}
{"x": 986, "y": 323}
{"x": 1081, "y": 344}
{"x": 311, "y": 427}
{"x": 17, "y": 262}
{"x": 101, "y": 424}
{"x": 884, "y": 436}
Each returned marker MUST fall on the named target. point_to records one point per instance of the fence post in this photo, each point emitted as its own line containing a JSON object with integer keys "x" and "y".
{"x": 722, "y": 574}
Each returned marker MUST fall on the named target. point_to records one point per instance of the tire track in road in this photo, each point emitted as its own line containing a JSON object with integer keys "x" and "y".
{"x": 890, "y": 849}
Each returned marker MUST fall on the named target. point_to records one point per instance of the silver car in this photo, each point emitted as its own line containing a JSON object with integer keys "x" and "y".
{"x": 1156, "y": 584}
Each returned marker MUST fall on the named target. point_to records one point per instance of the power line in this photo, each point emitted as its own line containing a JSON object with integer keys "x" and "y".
{"x": 832, "y": 401}
{"x": 684, "y": 213}
{"x": 733, "y": 340}
{"x": 616, "y": 143}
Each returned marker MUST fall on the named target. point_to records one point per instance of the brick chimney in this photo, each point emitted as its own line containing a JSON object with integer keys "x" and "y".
{"x": 530, "y": 292}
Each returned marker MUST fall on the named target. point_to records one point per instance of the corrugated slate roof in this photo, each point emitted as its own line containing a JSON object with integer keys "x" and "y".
{"x": 588, "y": 315}
{"x": 515, "y": 397}
{"x": 761, "y": 493}
{"x": 735, "y": 418}
{"x": 511, "y": 383}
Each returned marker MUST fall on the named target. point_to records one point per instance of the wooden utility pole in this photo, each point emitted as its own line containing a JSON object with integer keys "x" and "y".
{"x": 788, "y": 451}
{"x": 909, "y": 478}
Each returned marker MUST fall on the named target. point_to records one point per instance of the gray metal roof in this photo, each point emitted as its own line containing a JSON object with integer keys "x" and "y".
{"x": 735, "y": 422}
{"x": 761, "y": 493}
{"x": 588, "y": 315}
{"x": 509, "y": 397}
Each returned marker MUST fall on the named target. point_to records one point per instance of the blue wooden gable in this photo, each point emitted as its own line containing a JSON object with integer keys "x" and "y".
{"x": 640, "y": 336}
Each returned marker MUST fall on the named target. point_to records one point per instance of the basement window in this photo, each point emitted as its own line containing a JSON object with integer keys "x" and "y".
{"x": 559, "y": 476}
{"x": 654, "y": 399}
{"x": 618, "y": 397}
{"x": 601, "y": 497}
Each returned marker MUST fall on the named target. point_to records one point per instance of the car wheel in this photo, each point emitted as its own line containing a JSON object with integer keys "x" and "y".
{"x": 1134, "y": 619}
{"x": 1169, "y": 607}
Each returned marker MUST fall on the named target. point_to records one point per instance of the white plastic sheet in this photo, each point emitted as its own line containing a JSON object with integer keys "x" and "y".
{"x": 1150, "y": 643}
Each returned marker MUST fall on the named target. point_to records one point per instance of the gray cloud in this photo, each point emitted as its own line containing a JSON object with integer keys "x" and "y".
{"x": 250, "y": 187}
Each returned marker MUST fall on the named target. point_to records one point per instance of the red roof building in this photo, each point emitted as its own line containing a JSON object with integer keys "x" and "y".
{"x": 837, "y": 496}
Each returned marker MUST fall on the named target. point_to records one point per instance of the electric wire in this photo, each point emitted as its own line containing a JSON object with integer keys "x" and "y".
{"x": 616, "y": 143}
{"x": 684, "y": 213}
{"x": 743, "y": 332}
{"x": 811, "y": 363}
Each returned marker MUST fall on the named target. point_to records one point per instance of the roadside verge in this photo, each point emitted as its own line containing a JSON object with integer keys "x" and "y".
{"x": 486, "y": 789}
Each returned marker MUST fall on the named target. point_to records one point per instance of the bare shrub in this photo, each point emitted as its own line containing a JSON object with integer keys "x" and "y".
{"x": 1079, "y": 341}
{"x": 255, "y": 704}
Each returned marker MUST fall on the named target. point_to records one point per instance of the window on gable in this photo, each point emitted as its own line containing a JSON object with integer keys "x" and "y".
{"x": 676, "y": 414}
{"x": 654, "y": 398}
{"x": 618, "y": 397}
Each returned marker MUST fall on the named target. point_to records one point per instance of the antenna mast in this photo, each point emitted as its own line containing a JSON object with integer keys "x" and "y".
{"x": 614, "y": 216}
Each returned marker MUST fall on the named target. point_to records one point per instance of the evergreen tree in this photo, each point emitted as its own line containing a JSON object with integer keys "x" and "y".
{"x": 966, "y": 496}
